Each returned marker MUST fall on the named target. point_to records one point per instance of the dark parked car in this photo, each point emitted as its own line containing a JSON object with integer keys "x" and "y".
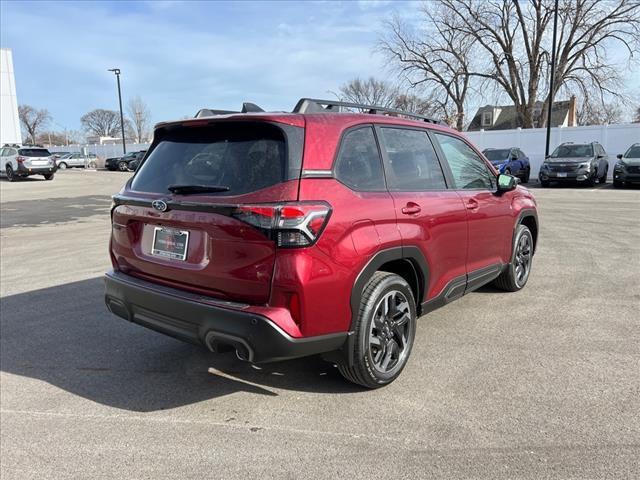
{"x": 583, "y": 163}
{"x": 282, "y": 235}
{"x": 122, "y": 163}
{"x": 510, "y": 161}
{"x": 627, "y": 170}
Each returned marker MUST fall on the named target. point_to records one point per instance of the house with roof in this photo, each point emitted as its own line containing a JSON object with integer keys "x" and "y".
{"x": 497, "y": 117}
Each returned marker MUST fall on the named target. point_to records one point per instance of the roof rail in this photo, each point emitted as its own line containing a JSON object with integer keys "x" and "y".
{"x": 314, "y": 105}
{"x": 247, "y": 107}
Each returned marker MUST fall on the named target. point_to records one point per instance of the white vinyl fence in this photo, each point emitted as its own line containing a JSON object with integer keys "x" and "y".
{"x": 614, "y": 138}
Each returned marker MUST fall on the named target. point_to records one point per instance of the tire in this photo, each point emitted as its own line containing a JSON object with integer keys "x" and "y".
{"x": 123, "y": 167}
{"x": 592, "y": 180}
{"x": 378, "y": 356}
{"x": 526, "y": 176}
{"x": 62, "y": 166}
{"x": 544, "y": 183}
{"x": 618, "y": 184}
{"x": 507, "y": 171}
{"x": 516, "y": 274}
{"x": 603, "y": 178}
{"x": 11, "y": 176}
{"x": 48, "y": 176}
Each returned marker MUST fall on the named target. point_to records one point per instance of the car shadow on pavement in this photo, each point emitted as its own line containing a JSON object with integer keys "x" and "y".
{"x": 65, "y": 336}
{"x": 52, "y": 210}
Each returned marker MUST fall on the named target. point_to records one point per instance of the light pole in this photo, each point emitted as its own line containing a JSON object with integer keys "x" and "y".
{"x": 124, "y": 143}
{"x": 553, "y": 73}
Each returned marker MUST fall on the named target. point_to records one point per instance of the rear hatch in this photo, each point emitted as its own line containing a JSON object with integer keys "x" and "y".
{"x": 35, "y": 157}
{"x": 196, "y": 215}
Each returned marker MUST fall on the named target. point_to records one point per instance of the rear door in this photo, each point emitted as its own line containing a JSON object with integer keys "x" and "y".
{"x": 203, "y": 241}
{"x": 35, "y": 157}
{"x": 489, "y": 215}
{"x": 429, "y": 214}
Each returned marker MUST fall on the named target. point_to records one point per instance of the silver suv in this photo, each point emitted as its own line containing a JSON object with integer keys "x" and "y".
{"x": 16, "y": 161}
{"x": 583, "y": 163}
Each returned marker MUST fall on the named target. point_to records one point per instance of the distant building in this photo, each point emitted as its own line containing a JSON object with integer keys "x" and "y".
{"x": 492, "y": 117}
{"x": 9, "y": 120}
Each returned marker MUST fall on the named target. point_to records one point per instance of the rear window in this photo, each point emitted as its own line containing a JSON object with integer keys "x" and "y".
{"x": 243, "y": 156}
{"x": 34, "y": 152}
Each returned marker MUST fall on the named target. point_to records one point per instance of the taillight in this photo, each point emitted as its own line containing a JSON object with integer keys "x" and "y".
{"x": 289, "y": 224}
{"x": 20, "y": 159}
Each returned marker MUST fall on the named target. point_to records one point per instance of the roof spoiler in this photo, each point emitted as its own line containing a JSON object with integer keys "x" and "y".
{"x": 247, "y": 107}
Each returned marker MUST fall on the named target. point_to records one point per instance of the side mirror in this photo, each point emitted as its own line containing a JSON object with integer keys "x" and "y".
{"x": 514, "y": 156}
{"x": 619, "y": 156}
{"x": 600, "y": 156}
{"x": 546, "y": 156}
{"x": 506, "y": 183}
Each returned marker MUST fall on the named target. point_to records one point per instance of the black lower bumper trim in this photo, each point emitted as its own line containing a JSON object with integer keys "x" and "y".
{"x": 181, "y": 315}
{"x": 25, "y": 171}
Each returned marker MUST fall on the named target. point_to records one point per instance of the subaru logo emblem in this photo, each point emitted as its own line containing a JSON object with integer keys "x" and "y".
{"x": 160, "y": 205}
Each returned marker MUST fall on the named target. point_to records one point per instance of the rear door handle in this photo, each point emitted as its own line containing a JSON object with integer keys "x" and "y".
{"x": 411, "y": 208}
{"x": 472, "y": 204}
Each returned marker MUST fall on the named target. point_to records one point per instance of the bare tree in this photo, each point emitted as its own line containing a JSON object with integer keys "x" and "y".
{"x": 140, "y": 118}
{"x": 410, "y": 102}
{"x": 369, "y": 92}
{"x": 33, "y": 120}
{"x": 514, "y": 38}
{"x": 101, "y": 123}
{"x": 595, "y": 112}
{"x": 636, "y": 118}
{"x": 437, "y": 58}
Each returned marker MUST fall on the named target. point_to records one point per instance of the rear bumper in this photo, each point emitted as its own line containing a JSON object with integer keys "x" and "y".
{"x": 26, "y": 171}
{"x": 197, "y": 319}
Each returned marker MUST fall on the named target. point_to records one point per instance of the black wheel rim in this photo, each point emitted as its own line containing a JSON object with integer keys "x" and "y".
{"x": 522, "y": 263}
{"x": 390, "y": 332}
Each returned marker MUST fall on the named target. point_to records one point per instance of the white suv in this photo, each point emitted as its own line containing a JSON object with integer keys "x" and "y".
{"x": 16, "y": 161}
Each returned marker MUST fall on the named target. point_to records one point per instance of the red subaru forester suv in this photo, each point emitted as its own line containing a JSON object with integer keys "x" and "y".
{"x": 282, "y": 235}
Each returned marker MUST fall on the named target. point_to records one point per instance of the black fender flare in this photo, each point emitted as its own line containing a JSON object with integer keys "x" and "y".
{"x": 412, "y": 255}
{"x": 524, "y": 213}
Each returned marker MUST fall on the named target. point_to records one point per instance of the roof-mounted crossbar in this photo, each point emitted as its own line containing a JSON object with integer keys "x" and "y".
{"x": 247, "y": 107}
{"x": 313, "y": 105}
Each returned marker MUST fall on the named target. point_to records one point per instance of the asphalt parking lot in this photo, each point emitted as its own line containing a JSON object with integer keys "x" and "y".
{"x": 544, "y": 383}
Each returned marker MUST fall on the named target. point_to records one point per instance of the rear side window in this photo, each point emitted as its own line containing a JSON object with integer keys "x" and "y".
{"x": 359, "y": 165}
{"x": 414, "y": 166}
{"x": 243, "y": 156}
{"x": 468, "y": 169}
{"x": 34, "y": 152}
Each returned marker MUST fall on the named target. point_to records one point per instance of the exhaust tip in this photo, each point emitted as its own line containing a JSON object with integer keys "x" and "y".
{"x": 219, "y": 342}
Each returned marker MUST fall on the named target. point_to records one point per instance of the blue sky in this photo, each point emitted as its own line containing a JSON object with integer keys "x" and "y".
{"x": 181, "y": 56}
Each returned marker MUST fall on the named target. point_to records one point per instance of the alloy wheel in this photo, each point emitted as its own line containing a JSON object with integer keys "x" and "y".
{"x": 522, "y": 264}
{"x": 389, "y": 332}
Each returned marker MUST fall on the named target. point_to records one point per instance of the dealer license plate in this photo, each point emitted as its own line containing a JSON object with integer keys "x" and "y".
{"x": 170, "y": 243}
{"x": 562, "y": 174}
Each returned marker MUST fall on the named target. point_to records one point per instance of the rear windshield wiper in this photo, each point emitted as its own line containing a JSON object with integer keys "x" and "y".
{"x": 187, "y": 189}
